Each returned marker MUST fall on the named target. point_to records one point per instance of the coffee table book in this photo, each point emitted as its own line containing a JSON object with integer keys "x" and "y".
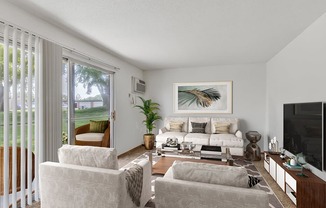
{"x": 210, "y": 150}
{"x": 167, "y": 147}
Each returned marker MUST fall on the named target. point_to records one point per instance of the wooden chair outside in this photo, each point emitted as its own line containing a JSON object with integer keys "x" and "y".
{"x": 85, "y": 129}
{"x": 10, "y": 169}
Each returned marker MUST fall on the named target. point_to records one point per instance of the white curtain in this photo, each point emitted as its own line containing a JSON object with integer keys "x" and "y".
{"x": 22, "y": 114}
{"x": 52, "y": 94}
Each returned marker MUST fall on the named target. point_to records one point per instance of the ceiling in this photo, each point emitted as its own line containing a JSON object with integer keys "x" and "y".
{"x": 160, "y": 34}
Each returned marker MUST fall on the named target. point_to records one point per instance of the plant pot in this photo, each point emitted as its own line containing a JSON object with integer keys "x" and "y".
{"x": 149, "y": 140}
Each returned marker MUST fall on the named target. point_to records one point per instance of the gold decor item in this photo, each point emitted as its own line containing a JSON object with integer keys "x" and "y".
{"x": 149, "y": 140}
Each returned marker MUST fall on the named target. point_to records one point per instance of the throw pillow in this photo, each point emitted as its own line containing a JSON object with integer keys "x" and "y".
{"x": 98, "y": 126}
{"x": 176, "y": 126}
{"x": 252, "y": 181}
{"x": 211, "y": 173}
{"x": 198, "y": 127}
{"x": 222, "y": 128}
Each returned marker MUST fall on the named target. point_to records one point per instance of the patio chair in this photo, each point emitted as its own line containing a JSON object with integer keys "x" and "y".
{"x": 96, "y": 133}
{"x": 10, "y": 169}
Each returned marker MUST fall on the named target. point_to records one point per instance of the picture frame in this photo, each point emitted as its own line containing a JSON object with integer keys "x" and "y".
{"x": 203, "y": 97}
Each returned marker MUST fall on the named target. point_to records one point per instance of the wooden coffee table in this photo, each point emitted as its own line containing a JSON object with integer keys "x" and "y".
{"x": 165, "y": 163}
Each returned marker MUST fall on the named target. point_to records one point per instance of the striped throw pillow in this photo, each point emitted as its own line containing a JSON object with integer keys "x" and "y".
{"x": 198, "y": 127}
{"x": 222, "y": 128}
{"x": 98, "y": 126}
{"x": 176, "y": 126}
{"x": 252, "y": 181}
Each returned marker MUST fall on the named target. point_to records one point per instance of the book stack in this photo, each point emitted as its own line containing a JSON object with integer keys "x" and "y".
{"x": 292, "y": 167}
{"x": 170, "y": 147}
{"x": 210, "y": 152}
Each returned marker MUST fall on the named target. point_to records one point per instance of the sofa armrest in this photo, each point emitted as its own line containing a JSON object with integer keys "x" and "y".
{"x": 162, "y": 130}
{"x": 179, "y": 194}
{"x": 238, "y": 134}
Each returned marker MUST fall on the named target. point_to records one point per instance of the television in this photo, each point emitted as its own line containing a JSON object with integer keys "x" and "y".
{"x": 303, "y": 127}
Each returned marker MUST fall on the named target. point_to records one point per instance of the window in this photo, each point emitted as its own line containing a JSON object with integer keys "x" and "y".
{"x": 86, "y": 96}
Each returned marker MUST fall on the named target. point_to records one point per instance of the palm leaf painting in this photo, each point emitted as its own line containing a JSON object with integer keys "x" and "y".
{"x": 203, "y": 98}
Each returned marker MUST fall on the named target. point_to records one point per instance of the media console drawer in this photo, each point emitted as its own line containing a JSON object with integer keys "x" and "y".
{"x": 291, "y": 181}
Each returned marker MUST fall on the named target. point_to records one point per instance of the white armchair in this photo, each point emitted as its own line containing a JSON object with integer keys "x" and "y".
{"x": 195, "y": 185}
{"x": 70, "y": 185}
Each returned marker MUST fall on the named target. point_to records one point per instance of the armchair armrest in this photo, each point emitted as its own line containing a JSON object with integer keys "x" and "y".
{"x": 238, "y": 134}
{"x": 106, "y": 137}
{"x": 82, "y": 129}
{"x": 147, "y": 175}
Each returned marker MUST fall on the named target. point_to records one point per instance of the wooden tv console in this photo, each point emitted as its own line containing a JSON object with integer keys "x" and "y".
{"x": 303, "y": 191}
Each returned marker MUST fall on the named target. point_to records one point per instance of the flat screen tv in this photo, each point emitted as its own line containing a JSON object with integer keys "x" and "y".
{"x": 303, "y": 131}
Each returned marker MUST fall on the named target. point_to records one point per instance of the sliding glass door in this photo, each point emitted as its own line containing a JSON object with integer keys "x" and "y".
{"x": 87, "y": 95}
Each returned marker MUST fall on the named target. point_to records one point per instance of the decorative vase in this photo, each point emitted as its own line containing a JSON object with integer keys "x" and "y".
{"x": 293, "y": 162}
{"x": 149, "y": 140}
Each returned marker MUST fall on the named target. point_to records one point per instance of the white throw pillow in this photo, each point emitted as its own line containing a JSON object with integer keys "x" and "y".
{"x": 176, "y": 126}
{"x": 222, "y": 128}
{"x": 211, "y": 173}
{"x": 100, "y": 157}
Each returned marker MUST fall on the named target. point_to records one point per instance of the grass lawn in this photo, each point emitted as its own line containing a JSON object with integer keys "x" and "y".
{"x": 82, "y": 117}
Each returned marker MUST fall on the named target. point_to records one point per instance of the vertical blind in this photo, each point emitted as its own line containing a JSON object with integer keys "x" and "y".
{"x": 22, "y": 114}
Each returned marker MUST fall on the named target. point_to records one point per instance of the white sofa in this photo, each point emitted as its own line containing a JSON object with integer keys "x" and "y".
{"x": 180, "y": 193}
{"x": 70, "y": 185}
{"x": 233, "y": 139}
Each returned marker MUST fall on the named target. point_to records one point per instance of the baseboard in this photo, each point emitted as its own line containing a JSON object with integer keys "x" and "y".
{"x": 128, "y": 152}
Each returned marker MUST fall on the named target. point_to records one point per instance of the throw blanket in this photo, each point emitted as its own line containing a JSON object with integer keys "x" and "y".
{"x": 134, "y": 176}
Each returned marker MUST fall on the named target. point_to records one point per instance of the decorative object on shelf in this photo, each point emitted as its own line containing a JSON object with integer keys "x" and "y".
{"x": 301, "y": 159}
{"x": 149, "y": 109}
{"x": 252, "y": 149}
{"x": 273, "y": 145}
{"x": 293, "y": 162}
{"x": 203, "y": 97}
{"x": 282, "y": 155}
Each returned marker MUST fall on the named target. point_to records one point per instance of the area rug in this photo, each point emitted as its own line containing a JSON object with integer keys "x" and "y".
{"x": 238, "y": 161}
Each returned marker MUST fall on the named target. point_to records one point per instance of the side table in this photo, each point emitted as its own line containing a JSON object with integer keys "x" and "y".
{"x": 252, "y": 149}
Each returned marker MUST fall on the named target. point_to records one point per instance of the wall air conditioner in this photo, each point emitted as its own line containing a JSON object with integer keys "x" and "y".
{"x": 139, "y": 85}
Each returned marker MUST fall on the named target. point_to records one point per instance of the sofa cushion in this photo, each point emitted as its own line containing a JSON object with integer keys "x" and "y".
{"x": 98, "y": 126}
{"x": 100, "y": 157}
{"x": 176, "y": 126}
{"x": 94, "y": 137}
{"x": 198, "y": 127}
{"x": 228, "y": 140}
{"x": 234, "y": 124}
{"x": 197, "y": 138}
{"x": 200, "y": 120}
{"x": 167, "y": 121}
{"x": 211, "y": 173}
{"x": 222, "y": 127}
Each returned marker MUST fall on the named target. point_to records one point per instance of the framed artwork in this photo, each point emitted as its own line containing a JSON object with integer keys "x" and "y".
{"x": 202, "y": 97}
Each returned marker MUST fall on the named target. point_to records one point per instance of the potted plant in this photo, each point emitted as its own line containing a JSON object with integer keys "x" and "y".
{"x": 149, "y": 109}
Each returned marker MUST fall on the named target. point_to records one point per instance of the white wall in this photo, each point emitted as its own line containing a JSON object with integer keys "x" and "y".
{"x": 297, "y": 74}
{"x": 248, "y": 91}
{"x": 128, "y": 128}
